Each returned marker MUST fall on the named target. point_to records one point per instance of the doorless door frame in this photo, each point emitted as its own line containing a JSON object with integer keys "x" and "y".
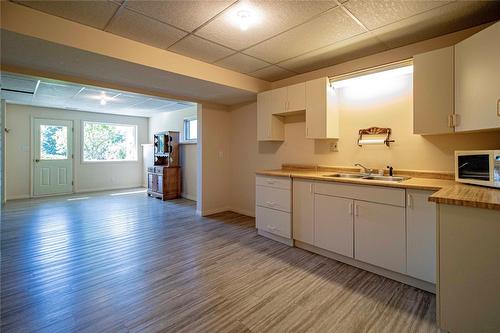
{"x": 32, "y": 152}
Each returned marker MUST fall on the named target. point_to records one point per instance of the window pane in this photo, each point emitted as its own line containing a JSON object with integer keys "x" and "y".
{"x": 53, "y": 142}
{"x": 193, "y": 129}
{"x": 109, "y": 142}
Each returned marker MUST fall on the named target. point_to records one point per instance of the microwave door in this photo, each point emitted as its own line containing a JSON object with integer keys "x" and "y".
{"x": 474, "y": 167}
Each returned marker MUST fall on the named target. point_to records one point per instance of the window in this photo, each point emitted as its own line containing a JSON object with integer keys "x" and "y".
{"x": 190, "y": 129}
{"x": 109, "y": 142}
{"x": 53, "y": 142}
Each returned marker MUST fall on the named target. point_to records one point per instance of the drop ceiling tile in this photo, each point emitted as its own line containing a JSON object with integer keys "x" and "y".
{"x": 56, "y": 90}
{"x": 329, "y": 28}
{"x": 152, "y": 103}
{"x": 272, "y": 73}
{"x": 18, "y": 83}
{"x": 242, "y": 63}
{"x": 201, "y": 49}
{"x": 440, "y": 21}
{"x": 143, "y": 29}
{"x": 375, "y": 13}
{"x": 92, "y": 13}
{"x": 187, "y": 15}
{"x": 272, "y": 18}
{"x": 352, "y": 48}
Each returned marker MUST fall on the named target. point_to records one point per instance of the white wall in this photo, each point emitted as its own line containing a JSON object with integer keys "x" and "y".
{"x": 174, "y": 121}
{"x": 87, "y": 176}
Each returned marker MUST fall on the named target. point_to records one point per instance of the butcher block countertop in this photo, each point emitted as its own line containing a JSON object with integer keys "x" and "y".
{"x": 468, "y": 195}
{"x": 448, "y": 191}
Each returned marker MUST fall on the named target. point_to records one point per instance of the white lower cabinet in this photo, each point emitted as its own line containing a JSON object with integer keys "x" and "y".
{"x": 380, "y": 235}
{"x": 273, "y": 211}
{"x": 333, "y": 224}
{"x": 303, "y": 211}
{"x": 421, "y": 235}
{"x": 273, "y": 221}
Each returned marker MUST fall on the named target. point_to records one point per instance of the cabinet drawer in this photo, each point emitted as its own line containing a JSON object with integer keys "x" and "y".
{"x": 277, "y": 182}
{"x": 274, "y": 221}
{"x": 380, "y": 194}
{"x": 275, "y": 198}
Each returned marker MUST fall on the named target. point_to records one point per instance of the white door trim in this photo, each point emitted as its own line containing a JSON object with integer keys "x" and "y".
{"x": 32, "y": 153}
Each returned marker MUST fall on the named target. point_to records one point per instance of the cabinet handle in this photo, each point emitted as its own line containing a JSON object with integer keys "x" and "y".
{"x": 498, "y": 107}
{"x": 270, "y": 182}
{"x": 409, "y": 200}
{"x": 310, "y": 188}
{"x": 350, "y": 208}
{"x": 270, "y": 203}
{"x": 270, "y": 227}
{"x": 356, "y": 210}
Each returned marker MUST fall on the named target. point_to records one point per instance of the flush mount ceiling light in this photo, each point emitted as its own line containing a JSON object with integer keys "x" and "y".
{"x": 244, "y": 17}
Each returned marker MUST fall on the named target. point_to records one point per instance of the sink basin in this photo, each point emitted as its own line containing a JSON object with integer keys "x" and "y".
{"x": 346, "y": 175}
{"x": 386, "y": 178}
{"x": 367, "y": 177}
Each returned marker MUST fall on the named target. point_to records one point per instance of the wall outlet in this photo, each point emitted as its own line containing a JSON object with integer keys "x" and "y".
{"x": 333, "y": 147}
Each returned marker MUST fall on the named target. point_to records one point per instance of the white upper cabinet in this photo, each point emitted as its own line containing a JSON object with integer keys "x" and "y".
{"x": 269, "y": 126}
{"x": 421, "y": 235}
{"x": 315, "y": 97}
{"x": 322, "y": 114}
{"x": 433, "y": 91}
{"x": 477, "y": 80}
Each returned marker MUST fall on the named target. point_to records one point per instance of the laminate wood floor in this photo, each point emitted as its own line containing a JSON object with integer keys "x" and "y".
{"x": 130, "y": 263}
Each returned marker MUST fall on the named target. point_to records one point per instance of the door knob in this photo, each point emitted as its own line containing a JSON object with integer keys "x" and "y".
{"x": 37, "y": 160}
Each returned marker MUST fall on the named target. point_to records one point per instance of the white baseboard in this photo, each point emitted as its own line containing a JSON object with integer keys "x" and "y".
{"x": 424, "y": 285}
{"x": 100, "y": 189}
{"x": 243, "y": 211}
{"x": 17, "y": 197}
{"x": 188, "y": 196}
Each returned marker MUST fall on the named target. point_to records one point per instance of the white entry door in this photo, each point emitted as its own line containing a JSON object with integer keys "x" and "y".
{"x": 53, "y": 157}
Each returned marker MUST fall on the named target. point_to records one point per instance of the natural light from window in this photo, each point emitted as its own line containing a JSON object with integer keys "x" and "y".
{"x": 104, "y": 142}
{"x": 190, "y": 129}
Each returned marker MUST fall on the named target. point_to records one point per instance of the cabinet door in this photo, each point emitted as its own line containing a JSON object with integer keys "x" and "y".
{"x": 264, "y": 115}
{"x": 322, "y": 114}
{"x": 270, "y": 126}
{"x": 296, "y": 97}
{"x": 316, "y": 108}
{"x": 421, "y": 236}
{"x": 477, "y": 80}
{"x": 380, "y": 237}
{"x": 333, "y": 224}
{"x": 159, "y": 184}
{"x": 433, "y": 91}
{"x": 303, "y": 211}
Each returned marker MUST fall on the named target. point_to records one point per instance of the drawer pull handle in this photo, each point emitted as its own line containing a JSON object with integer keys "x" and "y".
{"x": 410, "y": 201}
{"x": 350, "y": 209}
{"x": 270, "y": 181}
{"x": 270, "y": 203}
{"x": 356, "y": 210}
{"x": 270, "y": 227}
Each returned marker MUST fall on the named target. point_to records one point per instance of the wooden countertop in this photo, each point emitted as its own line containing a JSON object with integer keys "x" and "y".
{"x": 448, "y": 191}
{"x": 468, "y": 195}
{"x": 413, "y": 183}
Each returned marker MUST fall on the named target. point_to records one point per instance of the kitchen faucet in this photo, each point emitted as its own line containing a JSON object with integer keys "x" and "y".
{"x": 366, "y": 170}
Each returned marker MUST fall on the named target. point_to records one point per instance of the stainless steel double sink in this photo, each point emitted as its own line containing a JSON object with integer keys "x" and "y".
{"x": 368, "y": 177}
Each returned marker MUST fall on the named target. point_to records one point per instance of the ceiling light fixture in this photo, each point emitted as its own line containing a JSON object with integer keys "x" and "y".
{"x": 244, "y": 18}
{"x": 103, "y": 98}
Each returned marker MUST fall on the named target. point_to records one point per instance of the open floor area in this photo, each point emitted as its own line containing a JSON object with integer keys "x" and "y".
{"x": 128, "y": 263}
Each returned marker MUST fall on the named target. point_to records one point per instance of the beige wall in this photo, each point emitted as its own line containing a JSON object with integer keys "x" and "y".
{"x": 215, "y": 160}
{"x": 391, "y": 107}
{"x": 87, "y": 176}
{"x": 174, "y": 121}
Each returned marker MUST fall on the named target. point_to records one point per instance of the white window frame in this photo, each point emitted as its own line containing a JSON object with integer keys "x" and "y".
{"x": 82, "y": 142}
{"x": 185, "y": 129}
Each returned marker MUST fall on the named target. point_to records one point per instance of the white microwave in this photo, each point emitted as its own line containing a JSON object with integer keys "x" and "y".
{"x": 478, "y": 167}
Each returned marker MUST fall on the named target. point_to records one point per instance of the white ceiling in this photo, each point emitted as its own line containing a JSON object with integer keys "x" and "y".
{"x": 29, "y": 90}
{"x": 292, "y": 36}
